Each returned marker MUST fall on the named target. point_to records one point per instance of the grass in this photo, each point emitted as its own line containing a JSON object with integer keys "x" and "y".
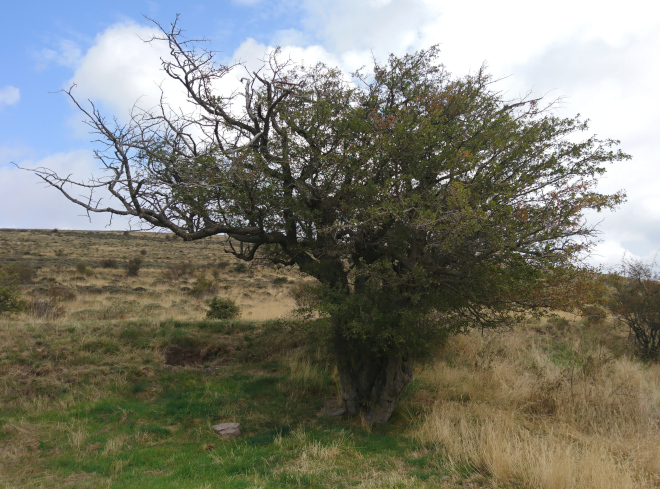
{"x": 530, "y": 410}
{"x": 95, "y": 404}
{"x": 123, "y": 388}
{"x": 167, "y": 284}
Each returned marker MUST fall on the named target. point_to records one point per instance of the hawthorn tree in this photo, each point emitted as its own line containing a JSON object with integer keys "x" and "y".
{"x": 635, "y": 301}
{"x": 422, "y": 203}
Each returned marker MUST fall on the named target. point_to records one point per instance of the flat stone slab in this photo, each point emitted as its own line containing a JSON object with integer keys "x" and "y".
{"x": 227, "y": 429}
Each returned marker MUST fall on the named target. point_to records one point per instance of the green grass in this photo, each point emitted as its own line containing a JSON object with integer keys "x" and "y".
{"x": 93, "y": 404}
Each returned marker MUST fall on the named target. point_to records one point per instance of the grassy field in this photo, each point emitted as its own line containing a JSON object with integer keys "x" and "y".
{"x": 115, "y": 381}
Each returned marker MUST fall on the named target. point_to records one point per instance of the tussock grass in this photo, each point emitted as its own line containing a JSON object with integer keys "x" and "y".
{"x": 123, "y": 389}
{"x": 538, "y": 409}
{"x": 305, "y": 375}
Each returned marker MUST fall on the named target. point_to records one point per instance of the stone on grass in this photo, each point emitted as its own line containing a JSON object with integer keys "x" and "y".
{"x": 227, "y": 429}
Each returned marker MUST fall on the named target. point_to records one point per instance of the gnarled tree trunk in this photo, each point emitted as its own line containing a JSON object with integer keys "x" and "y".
{"x": 371, "y": 383}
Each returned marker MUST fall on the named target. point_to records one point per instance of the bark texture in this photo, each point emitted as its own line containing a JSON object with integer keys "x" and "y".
{"x": 372, "y": 383}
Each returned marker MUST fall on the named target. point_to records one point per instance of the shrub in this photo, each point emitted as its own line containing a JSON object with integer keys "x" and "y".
{"x": 10, "y": 300}
{"x": 240, "y": 268}
{"x": 55, "y": 292}
{"x": 220, "y": 308}
{"x": 24, "y": 272}
{"x": 593, "y": 314}
{"x": 133, "y": 266}
{"x": 280, "y": 280}
{"x": 203, "y": 286}
{"x": 305, "y": 294}
{"x": 46, "y": 308}
{"x": 109, "y": 263}
{"x": 636, "y": 303}
{"x": 59, "y": 293}
{"x": 179, "y": 270}
{"x": 83, "y": 269}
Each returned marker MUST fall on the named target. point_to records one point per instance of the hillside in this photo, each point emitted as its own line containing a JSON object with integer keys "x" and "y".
{"x": 111, "y": 380}
{"x": 91, "y": 264}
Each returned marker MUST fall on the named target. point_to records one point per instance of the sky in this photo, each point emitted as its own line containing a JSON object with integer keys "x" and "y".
{"x": 598, "y": 59}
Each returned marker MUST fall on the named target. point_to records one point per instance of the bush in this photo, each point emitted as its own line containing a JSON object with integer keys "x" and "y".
{"x": 203, "y": 286}
{"x": 83, "y": 269}
{"x": 109, "y": 263}
{"x": 179, "y": 270}
{"x": 223, "y": 309}
{"x": 24, "y": 272}
{"x": 636, "y": 303}
{"x": 133, "y": 266}
{"x": 55, "y": 292}
{"x": 46, "y": 308}
{"x": 10, "y": 300}
{"x": 305, "y": 295}
{"x": 593, "y": 315}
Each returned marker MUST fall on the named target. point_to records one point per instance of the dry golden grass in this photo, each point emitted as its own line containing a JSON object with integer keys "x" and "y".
{"x": 550, "y": 406}
{"x": 303, "y": 372}
{"x": 73, "y": 260}
{"x": 544, "y": 409}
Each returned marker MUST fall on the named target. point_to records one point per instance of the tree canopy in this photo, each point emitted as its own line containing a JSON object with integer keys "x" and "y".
{"x": 422, "y": 202}
{"x": 635, "y": 300}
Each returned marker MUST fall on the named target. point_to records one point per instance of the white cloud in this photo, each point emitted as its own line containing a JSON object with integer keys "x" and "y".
{"x": 609, "y": 254}
{"x": 381, "y": 26}
{"x": 68, "y": 54}
{"x": 611, "y": 80}
{"x": 510, "y": 32}
{"x": 602, "y": 57}
{"x": 121, "y": 69}
{"x": 9, "y": 95}
{"x": 27, "y": 202}
{"x": 9, "y": 153}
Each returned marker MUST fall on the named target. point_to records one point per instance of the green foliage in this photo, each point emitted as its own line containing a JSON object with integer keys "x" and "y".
{"x": 455, "y": 207}
{"x": 636, "y": 302}
{"x": 10, "y": 299}
{"x": 422, "y": 203}
{"x": 220, "y": 308}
